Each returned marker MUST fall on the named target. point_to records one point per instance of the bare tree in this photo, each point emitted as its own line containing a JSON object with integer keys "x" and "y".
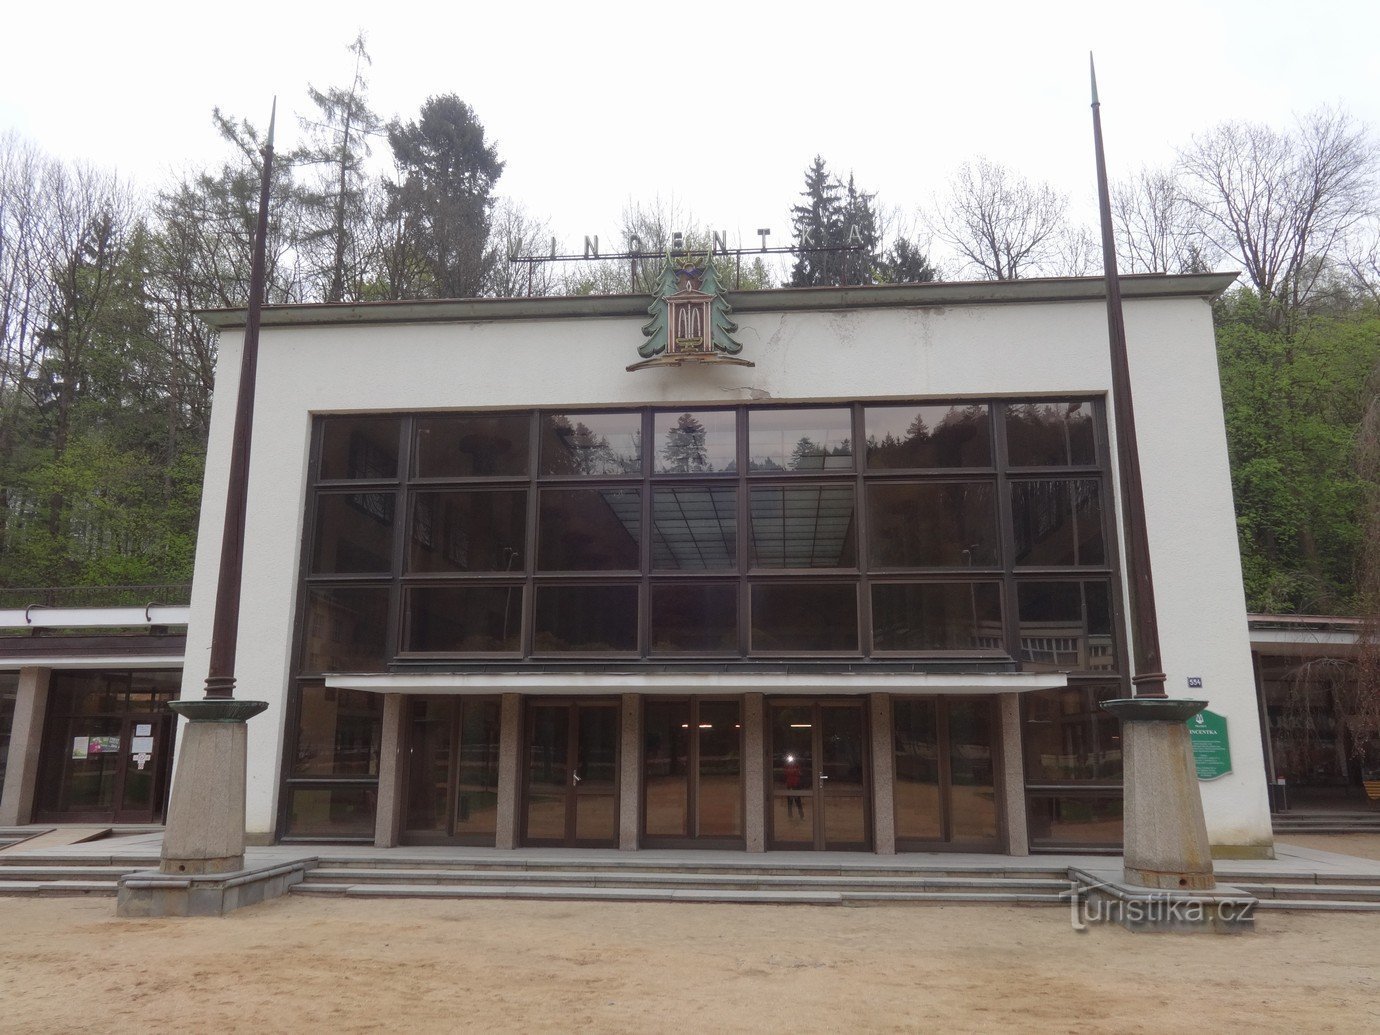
{"x": 23, "y": 278}
{"x": 1002, "y": 225}
{"x": 1282, "y": 204}
{"x": 1158, "y": 230}
{"x": 514, "y": 231}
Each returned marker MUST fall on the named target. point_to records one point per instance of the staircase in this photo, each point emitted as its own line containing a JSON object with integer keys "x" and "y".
{"x": 49, "y": 876}
{"x": 640, "y": 880}
{"x": 1332, "y": 822}
{"x": 1313, "y": 892}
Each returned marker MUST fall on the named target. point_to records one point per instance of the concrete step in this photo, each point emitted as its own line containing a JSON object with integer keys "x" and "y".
{"x": 661, "y": 878}
{"x": 140, "y": 861}
{"x": 656, "y": 894}
{"x": 1240, "y": 878}
{"x": 15, "y": 874}
{"x": 1313, "y": 892}
{"x": 642, "y": 864}
{"x": 57, "y": 888}
{"x": 1284, "y": 832}
{"x": 1318, "y": 907}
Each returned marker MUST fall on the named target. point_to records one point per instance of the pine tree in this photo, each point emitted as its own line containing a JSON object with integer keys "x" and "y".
{"x": 817, "y": 221}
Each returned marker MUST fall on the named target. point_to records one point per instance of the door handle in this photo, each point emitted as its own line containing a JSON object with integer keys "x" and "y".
{"x": 822, "y": 777}
{"x": 575, "y": 777}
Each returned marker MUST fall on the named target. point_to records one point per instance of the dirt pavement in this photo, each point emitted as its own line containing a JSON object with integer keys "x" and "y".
{"x": 307, "y": 965}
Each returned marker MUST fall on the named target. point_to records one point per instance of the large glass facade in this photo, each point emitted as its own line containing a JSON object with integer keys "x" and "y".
{"x": 972, "y": 530}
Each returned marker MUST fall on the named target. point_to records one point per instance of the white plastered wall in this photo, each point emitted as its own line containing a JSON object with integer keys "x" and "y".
{"x": 1013, "y": 349}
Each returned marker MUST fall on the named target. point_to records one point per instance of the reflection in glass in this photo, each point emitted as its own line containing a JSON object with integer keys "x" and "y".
{"x": 354, "y": 533}
{"x": 428, "y": 766}
{"x": 331, "y": 811}
{"x": 468, "y": 531}
{"x": 842, "y": 775}
{"x": 666, "y": 767}
{"x": 586, "y": 618}
{"x": 1058, "y": 522}
{"x": 1051, "y": 433}
{"x": 346, "y": 629}
{"x": 792, "y": 774}
{"x": 928, "y": 435}
{"x": 702, "y": 442}
{"x": 589, "y": 530}
{"x": 803, "y": 526}
{"x": 465, "y": 618}
{"x": 694, "y": 528}
{"x": 359, "y": 447}
{"x": 931, "y": 524}
{"x": 926, "y": 616}
{"x": 719, "y": 794}
{"x": 338, "y": 732}
{"x": 596, "y": 773}
{"x": 591, "y": 443}
{"x": 800, "y": 440}
{"x": 915, "y": 732}
{"x": 694, "y": 617}
{"x": 1075, "y": 820}
{"x": 472, "y": 446}
{"x": 1069, "y": 738}
{"x": 548, "y": 771}
{"x": 9, "y": 692}
{"x": 804, "y": 617}
{"x": 1065, "y": 626}
{"x": 476, "y": 781}
{"x": 972, "y": 775}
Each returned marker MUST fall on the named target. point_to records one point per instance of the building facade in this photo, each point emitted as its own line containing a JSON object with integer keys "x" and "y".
{"x": 858, "y": 589}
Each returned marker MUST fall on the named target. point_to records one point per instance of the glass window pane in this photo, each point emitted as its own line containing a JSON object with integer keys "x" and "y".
{"x": 591, "y": 443}
{"x": 476, "y": 790}
{"x": 590, "y": 530}
{"x": 468, "y": 531}
{"x": 9, "y": 691}
{"x": 792, "y": 773}
{"x": 331, "y": 811}
{"x": 926, "y": 616}
{"x": 803, "y": 526}
{"x": 354, "y": 533}
{"x": 1058, "y": 634}
{"x": 338, "y": 732}
{"x": 931, "y": 435}
{"x": 931, "y": 524}
{"x": 915, "y": 733}
{"x": 720, "y": 790}
{"x": 360, "y": 447}
{"x": 1069, "y": 738}
{"x": 548, "y": 771}
{"x": 469, "y": 618}
{"x": 1058, "y": 522}
{"x": 346, "y": 629}
{"x": 972, "y": 775}
{"x": 800, "y": 440}
{"x": 1073, "y": 820}
{"x": 701, "y": 442}
{"x": 694, "y": 617}
{"x": 800, "y": 617}
{"x": 666, "y": 767}
{"x": 694, "y": 528}
{"x": 465, "y": 446}
{"x": 1050, "y": 433}
{"x": 586, "y": 618}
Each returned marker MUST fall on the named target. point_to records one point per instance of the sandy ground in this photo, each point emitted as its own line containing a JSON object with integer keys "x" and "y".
{"x": 306, "y": 965}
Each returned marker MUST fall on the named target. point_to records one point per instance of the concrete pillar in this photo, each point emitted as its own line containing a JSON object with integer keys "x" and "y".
{"x": 1166, "y": 843}
{"x": 754, "y": 772}
{"x": 630, "y": 774}
{"x": 1011, "y": 775}
{"x": 26, "y": 740}
{"x": 883, "y": 776}
{"x": 205, "y": 828}
{"x": 509, "y": 771}
{"x": 389, "y": 814}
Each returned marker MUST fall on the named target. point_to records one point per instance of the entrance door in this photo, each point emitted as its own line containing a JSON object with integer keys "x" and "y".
{"x": 945, "y": 764}
{"x": 572, "y": 774}
{"x": 141, "y": 773}
{"x": 452, "y": 771}
{"x": 819, "y": 782}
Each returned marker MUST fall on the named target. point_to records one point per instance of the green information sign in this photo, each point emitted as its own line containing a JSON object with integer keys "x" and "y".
{"x": 1207, "y": 732}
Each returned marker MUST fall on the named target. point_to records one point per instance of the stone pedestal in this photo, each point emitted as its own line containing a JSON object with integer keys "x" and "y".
{"x": 1165, "y": 835}
{"x": 205, "y": 827}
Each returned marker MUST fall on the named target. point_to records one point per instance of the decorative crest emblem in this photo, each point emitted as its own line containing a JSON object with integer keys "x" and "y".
{"x": 690, "y": 318}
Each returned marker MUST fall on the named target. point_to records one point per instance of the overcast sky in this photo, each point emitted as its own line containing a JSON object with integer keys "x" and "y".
{"x": 720, "y": 106}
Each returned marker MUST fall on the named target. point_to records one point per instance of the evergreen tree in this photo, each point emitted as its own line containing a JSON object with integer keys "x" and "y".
{"x": 684, "y": 449}
{"x": 440, "y": 205}
{"x": 817, "y": 221}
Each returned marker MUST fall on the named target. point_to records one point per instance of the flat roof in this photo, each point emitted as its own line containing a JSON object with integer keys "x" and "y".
{"x": 984, "y": 292}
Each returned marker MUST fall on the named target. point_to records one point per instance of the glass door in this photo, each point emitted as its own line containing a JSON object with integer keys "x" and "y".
{"x": 571, "y": 793}
{"x": 819, "y": 776}
{"x": 945, "y": 763}
{"x": 142, "y": 768}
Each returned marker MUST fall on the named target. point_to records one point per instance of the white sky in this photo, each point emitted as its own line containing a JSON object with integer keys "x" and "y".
{"x": 720, "y": 106}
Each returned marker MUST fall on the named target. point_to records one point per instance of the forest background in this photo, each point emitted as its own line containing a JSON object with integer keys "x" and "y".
{"x": 106, "y": 374}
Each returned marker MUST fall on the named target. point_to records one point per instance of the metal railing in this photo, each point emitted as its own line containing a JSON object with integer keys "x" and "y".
{"x": 96, "y": 596}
